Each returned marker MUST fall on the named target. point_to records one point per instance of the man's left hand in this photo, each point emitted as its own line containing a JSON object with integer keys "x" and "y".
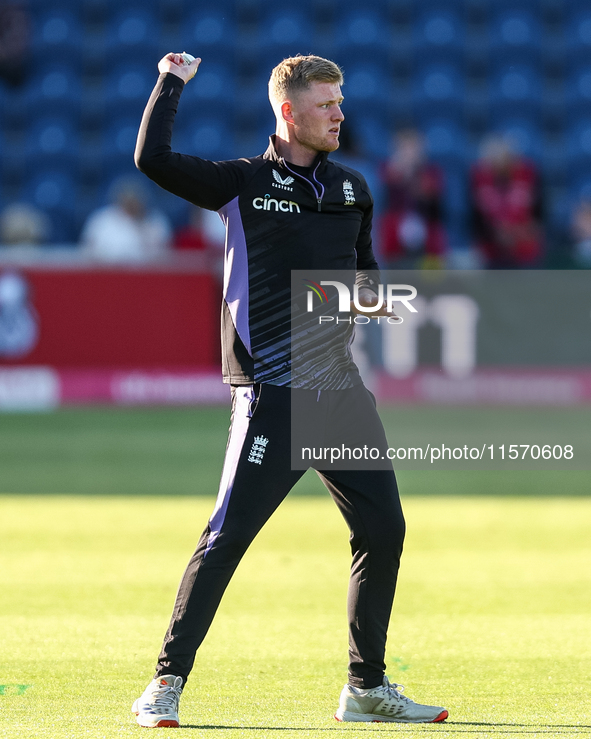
{"x": 367, "y": 298}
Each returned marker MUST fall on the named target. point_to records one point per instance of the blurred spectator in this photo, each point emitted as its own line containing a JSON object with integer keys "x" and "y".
{"x": 204, "y": 233}
{"x": 19, "y": 324}
{"x": 506, "y": 207}
{"x": 581, "y": 230}
{"x": 412, "y": 230}
{"x": 23, "y": 224}
{"x": 14, "y": 42}
{"x": 191, "y": 237}
{"x": 126, "y": 230}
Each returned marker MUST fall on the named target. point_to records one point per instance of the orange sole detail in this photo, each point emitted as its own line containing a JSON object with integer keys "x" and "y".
{"x": 167, "y": 724}
{"x": 442, "y": 716}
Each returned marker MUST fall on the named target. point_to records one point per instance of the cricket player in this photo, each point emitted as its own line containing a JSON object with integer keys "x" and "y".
{"x": 291, "y": 208}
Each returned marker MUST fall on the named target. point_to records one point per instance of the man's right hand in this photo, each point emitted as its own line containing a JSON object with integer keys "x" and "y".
{"x": 175, "y": 64}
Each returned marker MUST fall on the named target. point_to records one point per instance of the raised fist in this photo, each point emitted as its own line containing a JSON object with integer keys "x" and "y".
{"x": 177, "y": 64}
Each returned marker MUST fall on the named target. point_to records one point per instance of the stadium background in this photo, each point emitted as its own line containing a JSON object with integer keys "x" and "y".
{"x": 456, "y": 70}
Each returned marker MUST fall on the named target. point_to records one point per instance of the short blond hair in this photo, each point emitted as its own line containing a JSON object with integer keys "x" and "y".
{"x": 297, "y": 72}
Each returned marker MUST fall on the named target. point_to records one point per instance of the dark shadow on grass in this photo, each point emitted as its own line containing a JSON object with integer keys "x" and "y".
{"x": 456, "y": 726}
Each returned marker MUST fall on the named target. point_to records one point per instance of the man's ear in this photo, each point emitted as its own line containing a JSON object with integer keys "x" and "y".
{"x": 287, "y": 112}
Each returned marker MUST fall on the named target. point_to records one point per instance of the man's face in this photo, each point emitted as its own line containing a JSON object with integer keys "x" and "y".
{"x": 317, "y": 116}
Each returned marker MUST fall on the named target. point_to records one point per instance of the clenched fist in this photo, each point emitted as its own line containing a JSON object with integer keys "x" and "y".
{"x": 176, "y": 64}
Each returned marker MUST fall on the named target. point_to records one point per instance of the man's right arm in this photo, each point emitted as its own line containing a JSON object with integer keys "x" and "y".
{"x": 207, "y": 184}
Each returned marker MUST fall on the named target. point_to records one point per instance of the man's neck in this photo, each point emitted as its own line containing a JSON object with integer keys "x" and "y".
{"x": 294, "y": 152}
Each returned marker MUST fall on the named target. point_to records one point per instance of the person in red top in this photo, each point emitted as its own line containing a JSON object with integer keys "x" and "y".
{"x": 412, "y": 229}
{"x": 506, "y": 207}
{"x": 191, "y": 236}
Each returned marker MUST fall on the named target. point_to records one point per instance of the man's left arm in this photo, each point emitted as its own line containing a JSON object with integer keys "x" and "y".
{"x": 367, "y": 277}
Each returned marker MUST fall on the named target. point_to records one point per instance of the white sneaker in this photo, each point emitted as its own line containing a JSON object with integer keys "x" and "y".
{"x": 159, "y": 704}
{"x": 385, "y": 703}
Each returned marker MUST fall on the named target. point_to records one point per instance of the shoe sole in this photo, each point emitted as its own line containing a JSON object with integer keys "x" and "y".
{"x": 165, "y": 723}
{"x": 375, "y": 719}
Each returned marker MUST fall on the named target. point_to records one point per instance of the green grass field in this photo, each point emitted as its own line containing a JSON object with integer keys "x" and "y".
{"x": 180, "y": 451}
{"x": 492, "y": 617}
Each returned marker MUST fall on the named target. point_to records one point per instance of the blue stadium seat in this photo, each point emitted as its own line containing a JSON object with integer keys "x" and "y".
{"x": 117, "y": 143}
{"x": 134, "y": 31}
{"x": 52, "y": 141}
{"x": 57, "y": 35}
{"x": 578, "y": 34}
{"x": 208, "y": 138}
{"x": 438, "y": 90}
{"x": 578, "y": 147}
{"x": 54, "y": 191}
{"x": 516, "y": 36}
{"x": 128, "y": 89}
{"x": 524, "y": 133}
{"x": 212, "y": 91}
{"x": 578, "y": 90}
{"x": 439, "y": 36}
{"x": 373, "y": 134}
{"x": 284, "y": 33}
{"x": 456, "y": 190}
{"x": 210, "y": 34}
{"x": 367, "y": 89}
{"x": 361, "y": 33}
{"x": 580, "y": 188}
{"x": 56, "y": 91}
{"x": 446, "y": 141}
{"x": 516, "y": 90}
{"x": 286, "y": 29}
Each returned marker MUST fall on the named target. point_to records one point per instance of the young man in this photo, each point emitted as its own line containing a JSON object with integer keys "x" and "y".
{"x": 289, "y": 209}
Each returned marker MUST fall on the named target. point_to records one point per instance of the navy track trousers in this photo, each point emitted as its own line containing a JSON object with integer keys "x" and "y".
{"x": 256, "y": 478}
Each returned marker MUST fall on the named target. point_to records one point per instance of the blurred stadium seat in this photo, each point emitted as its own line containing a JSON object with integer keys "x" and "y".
{"x": 281, "y": 29}
{"x": 361, "y": 36}
{"x": 578, "y": 147}
{"x": 516, "y": 35}
{"x": 58, "y": 34}
{"x": 367, "y": 90}
{"x": 438, "y": 36}
{"x": 54, "y": 191}
{"x": 578, "y": 34}
{"x": 208, "y": 138}
{"x": 578, "y": 90}
{"x": 374, "y": 133}
{"x": 525, "y": 134}
{"x": 516, "y": 89}
{"x": 117, "y": 144}
{"x": 213, "y": 92}
{"x": 133, "y": 31}
{"x": 438, "y": 90}
{"x": 210, "y": 33}
{"x": 283, "y": 34}
{"x": 447, "y": 141}
{"x": 57, "y": 90}
{"x": 52, "y": 141}
{"x": 128, "y": 89}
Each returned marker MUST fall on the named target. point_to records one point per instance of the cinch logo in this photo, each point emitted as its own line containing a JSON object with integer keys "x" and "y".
{"x": 269, "y": 203}
{"x": 282, "y": 184}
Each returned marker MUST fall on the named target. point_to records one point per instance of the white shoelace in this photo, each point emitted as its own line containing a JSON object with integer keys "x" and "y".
{"x": 166, "y": 696}
{"x": 394, "y": 690}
